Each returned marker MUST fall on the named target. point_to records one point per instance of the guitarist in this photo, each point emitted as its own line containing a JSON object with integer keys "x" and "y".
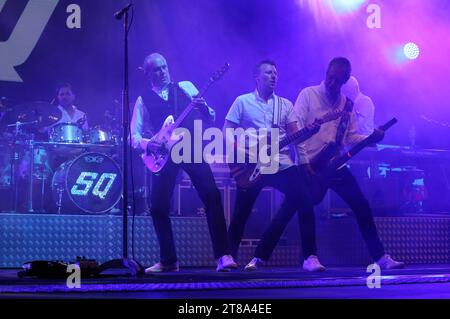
{"x": 169, "y": 98}
{"x": 331, "y": 138}
{"x": 263, "y": 109}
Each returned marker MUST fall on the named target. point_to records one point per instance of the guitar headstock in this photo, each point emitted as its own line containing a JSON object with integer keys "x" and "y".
{"x": 219, "y": 73}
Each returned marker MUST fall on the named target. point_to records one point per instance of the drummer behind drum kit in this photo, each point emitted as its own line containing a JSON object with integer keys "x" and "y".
{"x": 88, "y": 180}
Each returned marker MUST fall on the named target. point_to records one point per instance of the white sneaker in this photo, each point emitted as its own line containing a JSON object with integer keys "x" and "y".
{"x": 386, "y": 262}
{"x": 313, "y": 264}
{"x": 159, "y": 267}
{"x": 226, "y": 263}
{"x": 254, "y": 264}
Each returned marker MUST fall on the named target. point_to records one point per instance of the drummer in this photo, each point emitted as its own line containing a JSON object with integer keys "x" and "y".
{"x": 65, "y": 97}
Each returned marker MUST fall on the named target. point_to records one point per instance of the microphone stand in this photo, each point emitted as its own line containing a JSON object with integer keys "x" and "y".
{"x": 125, "y": 262}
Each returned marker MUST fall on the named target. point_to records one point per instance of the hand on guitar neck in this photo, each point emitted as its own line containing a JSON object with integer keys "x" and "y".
{"x": 200, "y": 104}
{"x": 314, "y": 127}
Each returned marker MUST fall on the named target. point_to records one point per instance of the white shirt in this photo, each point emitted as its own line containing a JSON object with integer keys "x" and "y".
{"x": 140, "y": 114}
{"x": 251, "y": 111}
{"x": 312, "y": 103}
{"x": 364, "y": 107}
{"x": 77, "y": 115}
{"x": 365, "y": 114}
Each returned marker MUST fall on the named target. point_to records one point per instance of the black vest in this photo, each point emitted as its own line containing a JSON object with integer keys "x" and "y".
{"x": 158, "y": 109}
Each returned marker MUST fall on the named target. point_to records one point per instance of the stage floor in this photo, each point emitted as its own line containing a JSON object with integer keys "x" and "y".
{"x": 416, "y": 281}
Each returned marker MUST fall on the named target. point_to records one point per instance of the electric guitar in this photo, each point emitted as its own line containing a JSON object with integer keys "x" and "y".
{"x": 247, "y": 175}
{"x": 329, "y": 160}
{"x": 155, "y": 158}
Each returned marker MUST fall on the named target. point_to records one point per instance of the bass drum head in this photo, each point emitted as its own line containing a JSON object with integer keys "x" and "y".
{"x": 92, "y": 183}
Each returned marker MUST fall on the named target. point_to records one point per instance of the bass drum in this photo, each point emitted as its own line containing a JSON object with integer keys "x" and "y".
{"x": 91, "y": 183}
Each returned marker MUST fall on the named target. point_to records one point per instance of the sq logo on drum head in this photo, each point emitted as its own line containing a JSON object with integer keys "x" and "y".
{"x": 91, "y": 182}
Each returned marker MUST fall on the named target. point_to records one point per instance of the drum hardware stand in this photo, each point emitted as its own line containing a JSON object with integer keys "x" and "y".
{"x": 43, "y": 174}
{"x": 31, "y": 175}
{"x": 59, "y": 202}
{"x": 146, "y": 192}
{"x": 17, "y": 127}
{"x": 14, "y": 177}
{"x": 124, "y": 262}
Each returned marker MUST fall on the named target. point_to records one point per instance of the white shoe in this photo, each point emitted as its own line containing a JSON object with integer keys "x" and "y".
{"x": 386, "y": 262}
{"x": 226, "y": 263}
{"x": 159, "y": 267}
{"x": 313, "y": 264}
{"x": 254, "y": 264}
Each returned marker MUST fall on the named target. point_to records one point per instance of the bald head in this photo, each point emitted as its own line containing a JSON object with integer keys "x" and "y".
{"x": 155, "y": 67}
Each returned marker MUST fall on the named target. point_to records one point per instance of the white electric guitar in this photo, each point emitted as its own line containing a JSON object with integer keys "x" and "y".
{"x": 155, "y": 158}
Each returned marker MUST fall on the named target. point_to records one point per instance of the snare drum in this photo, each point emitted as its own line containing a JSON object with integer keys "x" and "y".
{"x": 100, "y": 136}
{"x": 66, "y": 133}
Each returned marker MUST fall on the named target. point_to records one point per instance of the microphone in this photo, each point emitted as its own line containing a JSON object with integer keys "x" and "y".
{"x": 119, "y": 14}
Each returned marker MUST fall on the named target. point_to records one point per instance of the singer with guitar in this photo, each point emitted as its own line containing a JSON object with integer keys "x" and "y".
{"x": 259, "y": 109}
{"x": 323, "y": 150}
{"x": 151, "y": 110}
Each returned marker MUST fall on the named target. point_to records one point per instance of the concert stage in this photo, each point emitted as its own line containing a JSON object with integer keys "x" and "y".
{"x": 422, "y": 242}
{"x": 27, "y": 237}
{"x": 424, "y": 281}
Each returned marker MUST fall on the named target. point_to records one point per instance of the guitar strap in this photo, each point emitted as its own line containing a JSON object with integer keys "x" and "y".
{"x": 175, "y": 99}
{"x": 277, "y": 102}
{"x": 345, "y": 120}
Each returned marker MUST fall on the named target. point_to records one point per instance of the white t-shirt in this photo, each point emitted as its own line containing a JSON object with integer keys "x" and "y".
{"x": 365, "y": 113}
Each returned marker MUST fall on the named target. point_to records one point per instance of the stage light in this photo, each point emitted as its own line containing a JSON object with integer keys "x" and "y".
{"x": 411, "y": 51}
{"x": 332, "y": 6}
{"x": 346, "y": 6}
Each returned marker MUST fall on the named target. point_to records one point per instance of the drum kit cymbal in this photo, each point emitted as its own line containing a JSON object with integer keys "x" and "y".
{"x": 34, "y": 145}
{"x": 29, "y": 117}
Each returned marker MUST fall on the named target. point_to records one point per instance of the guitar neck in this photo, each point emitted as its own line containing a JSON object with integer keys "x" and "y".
{"x": 305, "y": 133}
{"x": 212, "y": 79}
{"x": 298, "y": 137}
{"x": 341, "y": 160}
{"x": 189, "y": 108}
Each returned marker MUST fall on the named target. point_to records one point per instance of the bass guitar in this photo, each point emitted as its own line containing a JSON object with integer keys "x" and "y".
{"x": 329, "y": 160}
{"x": 155, "y": 158}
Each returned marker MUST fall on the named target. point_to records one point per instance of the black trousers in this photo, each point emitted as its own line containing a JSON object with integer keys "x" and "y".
{"x": 202, "y": 178}
{"x": 346, "y": 186}
{"x": 289, "y": 182}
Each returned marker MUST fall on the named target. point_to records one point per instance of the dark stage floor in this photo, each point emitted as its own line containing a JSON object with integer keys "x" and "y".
{"x": 416, "y": 281}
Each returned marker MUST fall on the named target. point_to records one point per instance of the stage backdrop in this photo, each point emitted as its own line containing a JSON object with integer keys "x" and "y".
{"x": 46, "y": 42}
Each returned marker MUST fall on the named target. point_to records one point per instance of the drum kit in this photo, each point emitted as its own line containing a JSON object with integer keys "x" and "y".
{"x": 71, "y": 170}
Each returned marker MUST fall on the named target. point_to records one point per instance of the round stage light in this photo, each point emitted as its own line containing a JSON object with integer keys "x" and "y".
{"x": 411, "y": 51}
